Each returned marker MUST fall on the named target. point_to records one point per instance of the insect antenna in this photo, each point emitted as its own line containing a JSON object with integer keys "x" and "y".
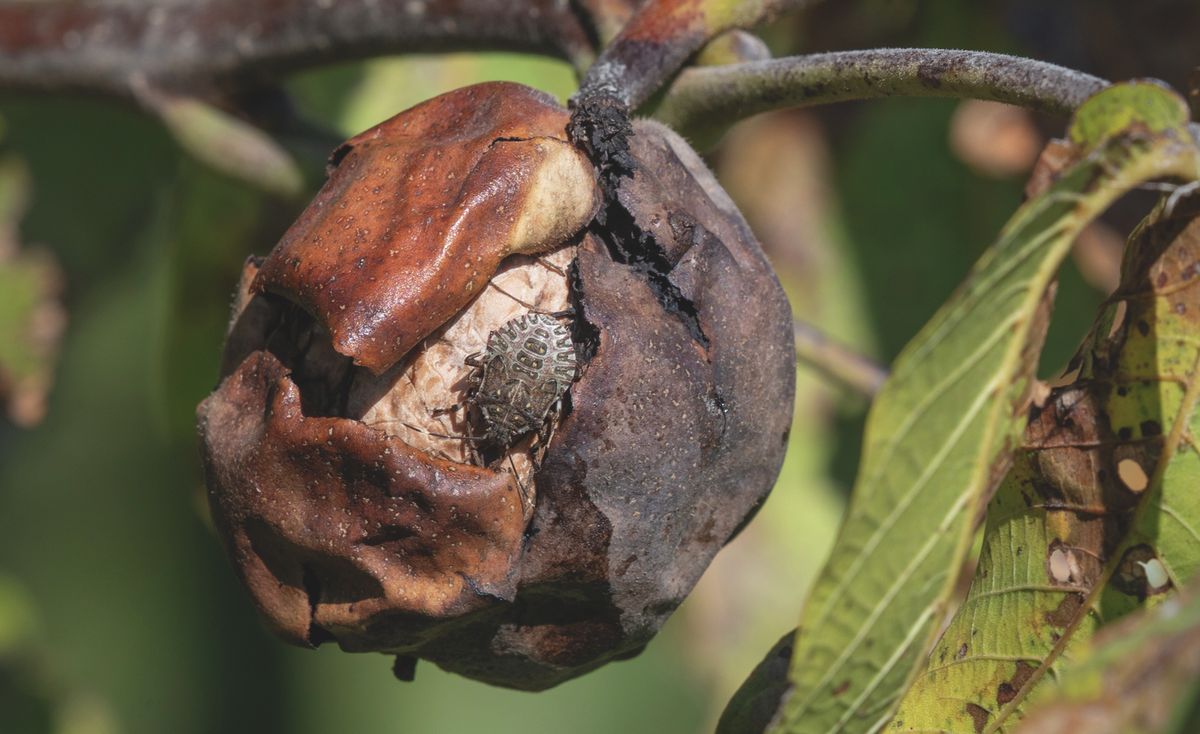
{"x": 565, "y": 313}
{"x": 529, "y": 306}
{"x": 550, "y": 266}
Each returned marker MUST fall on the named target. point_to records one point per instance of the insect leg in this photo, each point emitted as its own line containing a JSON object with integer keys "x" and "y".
{"x": 546, "y": 435}
{"x": 425, "y": 431}
{"x": 475, "y": 459}
{"x": 518, "y": 300}
{"x": 550, "y": 266}
{"x": 471, "y": 360}
{"x": 525, "y": 500}
{"x": 565, "y": 313}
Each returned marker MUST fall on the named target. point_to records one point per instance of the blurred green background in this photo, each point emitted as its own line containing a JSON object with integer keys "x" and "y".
{"x": 118, "y": 611}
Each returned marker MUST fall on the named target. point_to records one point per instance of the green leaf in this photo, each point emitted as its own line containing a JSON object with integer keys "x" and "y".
{"x": 1099, "y": 515}
{"x": 226, "y": 143}
{"x": 756, "y": 701}
{"x": 1142, "y": 677}
{"x": 1126, "y": 107}
{"x": 940, "y": 433}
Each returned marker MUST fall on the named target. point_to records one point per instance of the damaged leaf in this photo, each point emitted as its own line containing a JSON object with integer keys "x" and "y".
{"x": 1098, "y": 516}
{"x": 940, "y": 433}
{"x": 31, "y": 317}
{"x": 1142, "y": 677}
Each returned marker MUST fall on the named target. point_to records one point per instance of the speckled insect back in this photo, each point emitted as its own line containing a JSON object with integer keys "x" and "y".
{"x": 527, "y": 367}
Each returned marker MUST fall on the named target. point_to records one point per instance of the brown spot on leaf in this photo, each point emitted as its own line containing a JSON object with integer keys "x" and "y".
{"x": 1056, "y": 157}
{"x": 979, "y": 716}
{"x": 1009, "y": 689}
{"x": 1066, "y": 611}
{"x": 1005, "y": 693}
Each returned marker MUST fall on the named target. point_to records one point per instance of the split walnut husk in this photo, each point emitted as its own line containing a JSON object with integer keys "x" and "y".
{"x": 340, "y": 453}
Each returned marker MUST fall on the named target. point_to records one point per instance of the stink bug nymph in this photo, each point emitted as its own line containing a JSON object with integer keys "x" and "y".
{"x": 520, "y": 377}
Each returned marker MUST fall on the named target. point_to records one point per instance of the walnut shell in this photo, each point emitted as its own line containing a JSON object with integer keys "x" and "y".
{"x": 348, "y": 521}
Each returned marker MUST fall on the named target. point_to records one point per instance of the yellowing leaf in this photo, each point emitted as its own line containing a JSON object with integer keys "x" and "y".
{"x": 1099, "y": 515}
{"x": 942, "y": 430}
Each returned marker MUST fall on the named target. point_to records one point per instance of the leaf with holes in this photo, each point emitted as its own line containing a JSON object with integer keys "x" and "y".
{"x": 1099, "y": 514}
{"x": 942, "y": 428}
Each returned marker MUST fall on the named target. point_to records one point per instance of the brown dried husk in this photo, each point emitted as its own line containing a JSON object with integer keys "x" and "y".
{"x": 347, "y": 520}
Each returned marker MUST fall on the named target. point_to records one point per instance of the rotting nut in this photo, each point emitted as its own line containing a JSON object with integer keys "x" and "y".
{"x": 341, "y": 446}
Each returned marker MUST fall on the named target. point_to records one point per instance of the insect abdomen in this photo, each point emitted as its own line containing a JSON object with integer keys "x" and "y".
{"x": 530, "y": 363}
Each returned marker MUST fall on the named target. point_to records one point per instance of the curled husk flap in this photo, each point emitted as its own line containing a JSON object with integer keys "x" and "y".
{"x": 464, "y": 179}
{"x": 347, "y": 525}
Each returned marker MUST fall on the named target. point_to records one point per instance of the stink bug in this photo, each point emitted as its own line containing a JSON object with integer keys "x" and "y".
{"x": 523, "y": 373}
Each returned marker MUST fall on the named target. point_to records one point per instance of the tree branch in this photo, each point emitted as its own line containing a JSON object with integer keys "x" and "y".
{"x": 661, "y": 36}
{"x": 608, "y": 16}
{"x": 837, "y": 361}
{"x": 655, "y": 42}
{"x": 104, "y": 45}
{"x": 703, "y": 101}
